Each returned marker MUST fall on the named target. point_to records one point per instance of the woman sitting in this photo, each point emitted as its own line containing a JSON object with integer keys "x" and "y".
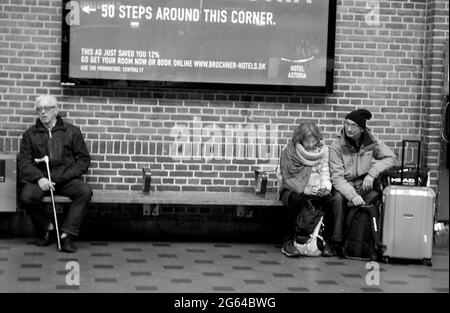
{"x": 305, "y": 181}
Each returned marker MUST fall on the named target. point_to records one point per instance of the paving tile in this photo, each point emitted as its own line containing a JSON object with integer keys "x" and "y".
{"x": 258, "y": 251}
{"x": 34, "y": 265}
{"x": 332, "y": 263}
{"x": 202, "y": 267}
{"x": 419, "y": 275}
{"x": 204, "y": 261}
{"x": 314, "y": 269}
{"x": 33, "y": 253}
{"x": 67, "y": 259}
{"x": 196, "y": 250}
{"x": 67, "y": 287}
{"x": 29, "y": 279}
{"x": 181, "y": 280}
{"x": 132, "y": 249}
{"x": 146, "y": 288}
{"x": 441, "y": 289}
{"x": 298, "y": 289}
{"x": 439, "y": 270}
{"x": 141, "y": 273}
{"x": 96, "y": 254}
{"x": 167, "y": 255}
{"x": 350, "y": 275}
{"x": 136, "y": 261}
{"x": 254, "y": 281}
{"x": 104, "y": 266}
{"x": 269, "y": 262}
{"x": 231, "y": 256}
{"x": 223, "y": 288}
{"x": 105, "y": 280}
{"x": 212, "y": 274}
{"x": 173, "y": 267}
{"x": 242, "y": 268}
{"x": 371, "y": 289}
{"x": 280, "y": 275}
{"x": 161, "y": 244}
{"x": 396, "y": 282}
{"x": 327, "y": 282}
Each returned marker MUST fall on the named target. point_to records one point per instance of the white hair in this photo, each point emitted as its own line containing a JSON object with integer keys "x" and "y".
{"x": 47, "y": 99}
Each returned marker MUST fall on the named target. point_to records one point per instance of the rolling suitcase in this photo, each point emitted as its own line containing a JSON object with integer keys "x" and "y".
{"x": 408, "y": 219}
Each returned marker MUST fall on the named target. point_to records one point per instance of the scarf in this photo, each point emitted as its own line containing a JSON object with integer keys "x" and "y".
{"x": 310, "y": 158}
{"x": 296, "y": 165}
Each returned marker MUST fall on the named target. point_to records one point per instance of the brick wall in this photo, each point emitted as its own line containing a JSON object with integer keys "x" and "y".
{"x": 437, "y": 34}
{"x": 388, "y": 59}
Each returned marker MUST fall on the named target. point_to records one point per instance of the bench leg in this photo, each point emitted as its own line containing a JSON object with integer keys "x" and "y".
{"x": 59, "y": 208}
{"x": 243, "y": 211}
{"x": 155, "y": 211}
{"x": 148, "y": 210}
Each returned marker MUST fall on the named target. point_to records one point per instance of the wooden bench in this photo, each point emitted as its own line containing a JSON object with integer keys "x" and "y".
{"x": 240, "y": 199}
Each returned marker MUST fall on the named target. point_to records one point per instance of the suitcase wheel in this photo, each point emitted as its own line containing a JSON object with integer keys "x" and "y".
{"x": 427, "y": 262}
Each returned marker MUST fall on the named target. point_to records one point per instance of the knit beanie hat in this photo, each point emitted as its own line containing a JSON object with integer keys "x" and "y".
{"x": 360, "y": 117}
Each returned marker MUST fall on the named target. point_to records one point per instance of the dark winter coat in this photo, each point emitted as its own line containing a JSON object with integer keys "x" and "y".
{"x": 65, "y": 147}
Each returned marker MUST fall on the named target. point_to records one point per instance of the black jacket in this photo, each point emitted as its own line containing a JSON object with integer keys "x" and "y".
{"x": 66, "y": 149}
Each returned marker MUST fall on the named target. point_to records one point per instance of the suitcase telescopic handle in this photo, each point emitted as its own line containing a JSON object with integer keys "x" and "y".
{"x": 418, "y": 159}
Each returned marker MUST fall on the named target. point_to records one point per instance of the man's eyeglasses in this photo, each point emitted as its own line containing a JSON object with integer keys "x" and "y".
{"x": 46, "y": 108}
{"x": 351, "y": 126}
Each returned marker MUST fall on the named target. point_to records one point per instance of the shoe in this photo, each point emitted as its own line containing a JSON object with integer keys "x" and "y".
{"x": 326, "y": 251}
{"x": 48, "y": 239}
{"x": 289, "y": 249}
{"x": 67, "y": 244}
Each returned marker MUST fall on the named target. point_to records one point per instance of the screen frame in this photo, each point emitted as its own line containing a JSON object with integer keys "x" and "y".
{"x": 67, "y": 81}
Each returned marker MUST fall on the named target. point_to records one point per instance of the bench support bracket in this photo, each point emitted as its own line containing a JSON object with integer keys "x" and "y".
{"x": 148, "y": 209}
{"x": 59, "y": 208}
{"x": 244, "y": 211}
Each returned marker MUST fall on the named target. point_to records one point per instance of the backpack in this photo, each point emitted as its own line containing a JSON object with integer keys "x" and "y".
{"x": 309, "y": 223}
{"x": 314, "y": 244}
{"x": 362, "y": 233}
{"x": 308, "y": 218}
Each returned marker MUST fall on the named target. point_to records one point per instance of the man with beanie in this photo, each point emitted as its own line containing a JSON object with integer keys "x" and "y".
{"x": 356, "y": 160}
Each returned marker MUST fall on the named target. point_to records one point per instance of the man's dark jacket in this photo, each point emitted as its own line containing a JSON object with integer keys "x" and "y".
{"x": 66, "y": 149}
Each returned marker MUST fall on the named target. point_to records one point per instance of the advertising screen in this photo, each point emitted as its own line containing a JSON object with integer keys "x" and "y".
{"x": 285, "y": 45}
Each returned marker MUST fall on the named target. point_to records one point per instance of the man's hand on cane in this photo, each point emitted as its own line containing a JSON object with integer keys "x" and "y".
{"x": 45, "y": 184}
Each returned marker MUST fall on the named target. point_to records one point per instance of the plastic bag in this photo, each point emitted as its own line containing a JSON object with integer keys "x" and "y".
{"x": 311, "y": 247}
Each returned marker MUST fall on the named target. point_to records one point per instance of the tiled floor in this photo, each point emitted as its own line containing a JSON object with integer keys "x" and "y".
{"x": 203, "y": 267}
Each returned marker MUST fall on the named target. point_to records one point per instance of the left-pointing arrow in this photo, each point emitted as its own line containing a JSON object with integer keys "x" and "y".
{"x": 88, "y": 9}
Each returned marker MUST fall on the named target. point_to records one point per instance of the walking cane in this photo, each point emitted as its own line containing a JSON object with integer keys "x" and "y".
{"x": 45, "y": 159}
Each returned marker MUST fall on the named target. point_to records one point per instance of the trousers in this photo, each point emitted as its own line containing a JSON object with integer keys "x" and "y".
{"x": 77, "y": 190}
{"x": 293, "y": 206}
